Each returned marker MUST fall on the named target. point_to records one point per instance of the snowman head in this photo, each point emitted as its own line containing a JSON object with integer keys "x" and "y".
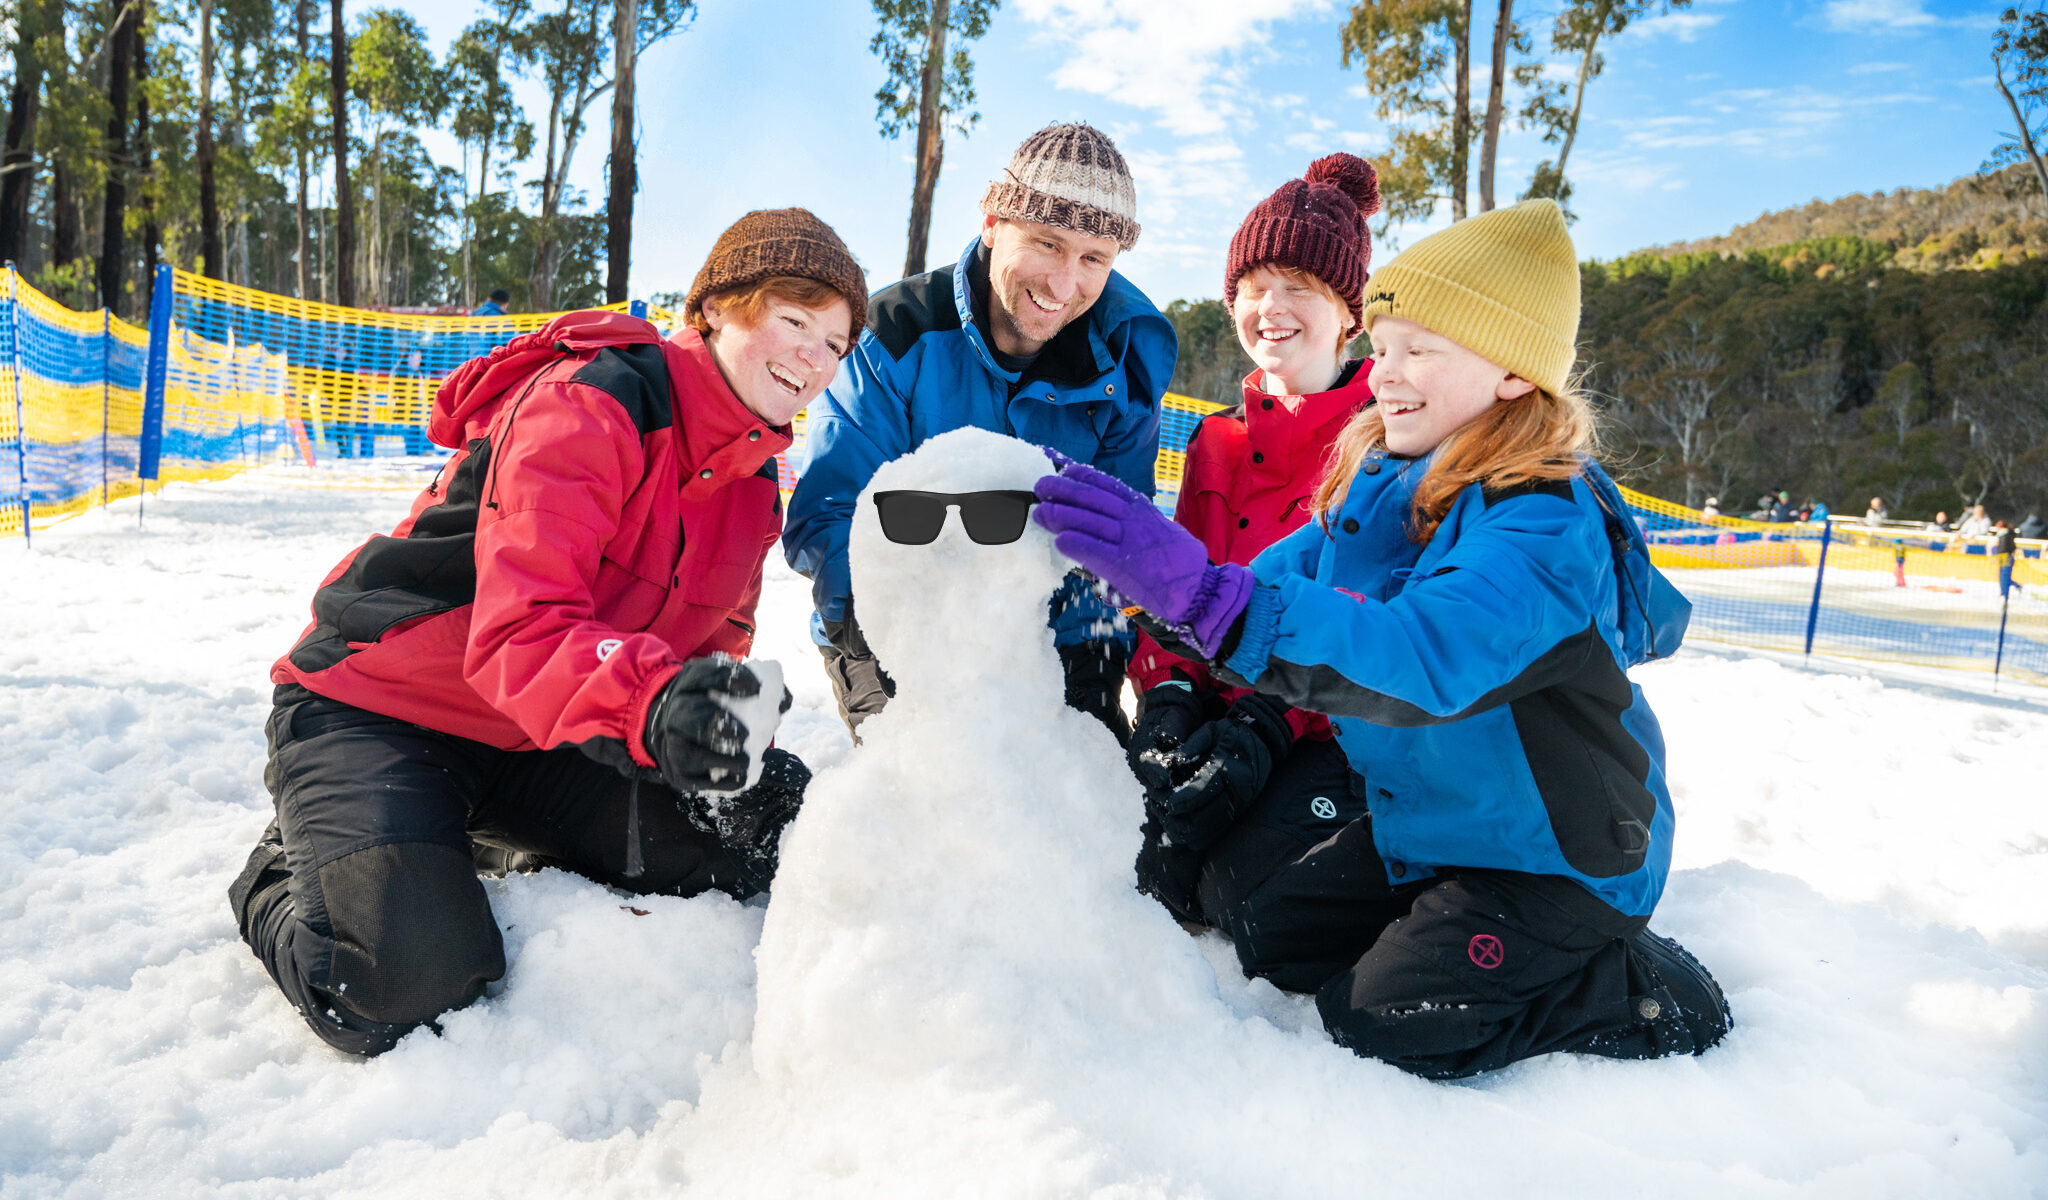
{"x": 970, "y": 602}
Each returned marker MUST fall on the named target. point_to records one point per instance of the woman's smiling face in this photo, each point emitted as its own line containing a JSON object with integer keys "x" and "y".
{"x": 1429, "y": 386}
{"x": 778, "y": 364}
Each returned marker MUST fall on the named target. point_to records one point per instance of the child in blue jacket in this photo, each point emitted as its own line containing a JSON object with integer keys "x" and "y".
{"x": 1494, "y": 902}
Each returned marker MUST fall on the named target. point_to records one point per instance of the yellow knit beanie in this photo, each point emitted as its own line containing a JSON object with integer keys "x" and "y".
{"x": 1504, "y": 284}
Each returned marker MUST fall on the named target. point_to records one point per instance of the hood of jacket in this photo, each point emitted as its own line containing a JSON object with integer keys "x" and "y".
{"x": 468, "y": 399}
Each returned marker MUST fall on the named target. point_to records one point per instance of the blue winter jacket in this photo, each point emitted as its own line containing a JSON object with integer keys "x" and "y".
{"x": 1480, "y": 686}
{"x": 924, "y": 367}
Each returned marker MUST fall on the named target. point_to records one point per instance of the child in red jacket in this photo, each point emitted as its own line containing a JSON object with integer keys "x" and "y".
{"x": 542, "y": 659}
{"x": 1237, "y": 783}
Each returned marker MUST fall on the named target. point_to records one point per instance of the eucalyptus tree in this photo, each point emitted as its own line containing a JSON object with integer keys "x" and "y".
{"x": 926, "y": 82}
{"x": 392, "y": 76}
{"x": 485, "y": 120}
{"x": 1578, "y": 30}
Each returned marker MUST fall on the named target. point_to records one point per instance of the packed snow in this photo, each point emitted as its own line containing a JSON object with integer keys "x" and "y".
{"x": 954, "y": 990}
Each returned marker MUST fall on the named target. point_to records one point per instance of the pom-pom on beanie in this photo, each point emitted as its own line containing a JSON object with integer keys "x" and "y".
{"x": 1316, "y": 223}
{"x": 1504, "y": 284}
{"x": 774, "y": 242}
{"x": 1069, "y": 177}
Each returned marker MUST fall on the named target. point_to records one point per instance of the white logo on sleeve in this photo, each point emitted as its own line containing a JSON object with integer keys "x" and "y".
{"x": 1322, "y": 807}
{"x": 605, "y": 648}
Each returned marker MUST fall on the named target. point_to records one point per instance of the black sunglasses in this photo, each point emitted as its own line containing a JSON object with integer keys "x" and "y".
{"x": 990, "y": 518}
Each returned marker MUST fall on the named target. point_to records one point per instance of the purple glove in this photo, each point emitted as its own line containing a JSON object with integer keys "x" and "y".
{"x": 1120, "y": 538}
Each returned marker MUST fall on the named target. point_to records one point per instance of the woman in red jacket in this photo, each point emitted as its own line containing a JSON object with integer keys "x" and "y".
{"x": 1236, "y": 783}
{"x": 541, "y": 662}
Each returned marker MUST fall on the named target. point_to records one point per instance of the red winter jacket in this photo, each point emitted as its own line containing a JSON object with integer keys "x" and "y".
{"x": 1250, "y": 473}
{"x": 603, "y": 519}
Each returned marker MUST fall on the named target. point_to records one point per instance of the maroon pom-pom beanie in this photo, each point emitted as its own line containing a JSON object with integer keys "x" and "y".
{"x": 1316, "y": 223}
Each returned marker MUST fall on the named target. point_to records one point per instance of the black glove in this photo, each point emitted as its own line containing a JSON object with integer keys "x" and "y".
{"x": 1221, "y": 768}
{"x": 1095, "y": 683}
{"x": 696, "y": 741}
{"x": 1167, "y": 714}
{"x": 749, "y": 825}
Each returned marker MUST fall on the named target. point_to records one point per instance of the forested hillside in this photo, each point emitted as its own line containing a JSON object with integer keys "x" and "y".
{"x": 1976, "y": 221}
{"x": 1821, "y": 367}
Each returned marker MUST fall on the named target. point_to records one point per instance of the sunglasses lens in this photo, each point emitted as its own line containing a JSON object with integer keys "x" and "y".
{"x": 911, "y": 518}
{"x": 994, "y": 518}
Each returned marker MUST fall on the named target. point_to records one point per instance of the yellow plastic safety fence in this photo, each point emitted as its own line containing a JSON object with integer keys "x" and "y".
{"x": 70, "y": 407}
{"x": 1893, "y": 592}
{"x": 356, "y": 375}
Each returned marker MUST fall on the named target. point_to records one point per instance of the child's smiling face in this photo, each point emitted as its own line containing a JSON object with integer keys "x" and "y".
{"x": 1429, "y": 386}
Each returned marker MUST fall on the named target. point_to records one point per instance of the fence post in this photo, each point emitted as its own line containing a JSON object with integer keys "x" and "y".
{"x": 637, "y": 308}
{"x": 151, "y": 445}
{"x": 1827, "y": 529}
{"x": 20, "y": 409}
{"x": 106, "y": 403}
{"x": 2004, "y": 607}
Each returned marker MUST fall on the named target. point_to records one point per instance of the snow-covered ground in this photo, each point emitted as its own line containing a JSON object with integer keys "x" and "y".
{"x": 1862, "y": 861}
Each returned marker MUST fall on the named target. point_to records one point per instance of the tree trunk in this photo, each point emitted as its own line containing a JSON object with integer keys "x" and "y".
{"x": 204, "y": 153}
{"x": 931, "y": 138}
{"x": 114, "y": 212}
{"x": 2019, "y": 122}
{"x": 377, "y": 270}
{"x": 1461, "y": 115}
{"x": 303, "y": 12}
{"x": 547, "y": 255}
{"x": 618, "y": 212}
{"x": 24, "y": 105}
{"x": 344, "y": 198}
{"x": 63, "y": 214}
{"x": 1571, "y": 131}
{"x": 152, "y": 234}
{"x": 1502, "y": 27}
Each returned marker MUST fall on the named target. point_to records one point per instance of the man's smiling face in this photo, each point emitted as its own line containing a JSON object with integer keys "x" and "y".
{"x": 1040, "y": 279}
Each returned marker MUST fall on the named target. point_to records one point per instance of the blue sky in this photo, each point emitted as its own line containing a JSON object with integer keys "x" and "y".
{"x": 1704, "y": 119}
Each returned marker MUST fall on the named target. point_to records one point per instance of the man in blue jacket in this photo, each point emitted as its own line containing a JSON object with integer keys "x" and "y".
{"x": 1032, "y": 334}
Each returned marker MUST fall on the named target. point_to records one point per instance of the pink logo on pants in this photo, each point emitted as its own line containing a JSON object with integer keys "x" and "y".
{"x": 1485, "y": 951}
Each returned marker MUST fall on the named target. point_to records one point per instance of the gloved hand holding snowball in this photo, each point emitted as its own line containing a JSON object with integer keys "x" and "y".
{"x": 712, "y": 723}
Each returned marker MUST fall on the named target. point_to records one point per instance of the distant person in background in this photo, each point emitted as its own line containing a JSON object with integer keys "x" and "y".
{"x": 1975, "y": 525}
{"x": 1030, "y": 333}
{"x": 1817, "y": 511}
{"x": 1712, "y": 508}
{"x": 1940, "y": 523}
{"x": 2032, "y": 527}
{"x": 493, "y": 307}
{"x": 1878, "y": 514}
{"x": 1782, "y": 512}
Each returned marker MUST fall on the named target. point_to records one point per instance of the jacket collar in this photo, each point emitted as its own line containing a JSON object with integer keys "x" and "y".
{"x": 718, "y": 439}
{"x": 1291, "y": 436}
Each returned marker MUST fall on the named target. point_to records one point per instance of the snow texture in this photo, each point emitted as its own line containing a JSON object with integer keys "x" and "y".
{"x": 954, "y": 990}
{"x": 758, "y": 714}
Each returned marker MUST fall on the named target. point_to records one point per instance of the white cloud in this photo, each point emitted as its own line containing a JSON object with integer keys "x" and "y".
{"x": 1684, "y": 26}
{"x": 1184, "y": 61}
{"x": 1879, "y": 68}
{"x": 1861, "y": 16}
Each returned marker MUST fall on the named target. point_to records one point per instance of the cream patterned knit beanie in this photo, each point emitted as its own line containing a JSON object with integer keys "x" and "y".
{"x": 1069, "y": 177}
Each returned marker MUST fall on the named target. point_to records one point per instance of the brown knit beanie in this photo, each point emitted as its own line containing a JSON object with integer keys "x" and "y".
{"x": 1069, "y": 177}
{"x": 1316, "y": 223}
{"x": 781, "y": 241}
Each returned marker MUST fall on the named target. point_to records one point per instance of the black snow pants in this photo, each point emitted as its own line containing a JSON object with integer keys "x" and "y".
{"x": 373, "y": 921}
{"x": 1444, "y": 977}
